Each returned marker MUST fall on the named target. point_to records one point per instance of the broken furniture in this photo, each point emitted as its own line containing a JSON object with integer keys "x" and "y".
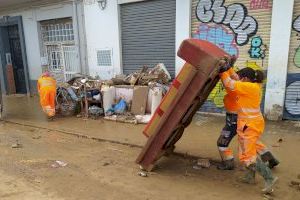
{"x": 188, "y": 92}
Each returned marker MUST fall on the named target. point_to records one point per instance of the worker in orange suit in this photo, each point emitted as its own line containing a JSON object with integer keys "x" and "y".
{"x": 47, "y": 90}
{"x": 229, "y": 131}
{"x": 250, "y": 123}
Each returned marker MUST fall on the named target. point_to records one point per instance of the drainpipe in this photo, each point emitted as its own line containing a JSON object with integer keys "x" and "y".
{"x": 76, "y": 30}
{"x": 80, "y": 34}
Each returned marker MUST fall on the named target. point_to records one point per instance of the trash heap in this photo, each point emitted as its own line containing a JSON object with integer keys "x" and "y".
{"x": 125, "y": 98}
{"x": 81, "y": 95}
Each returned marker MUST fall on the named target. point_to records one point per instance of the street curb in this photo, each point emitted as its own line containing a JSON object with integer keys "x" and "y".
{"x": 179, "y": 154}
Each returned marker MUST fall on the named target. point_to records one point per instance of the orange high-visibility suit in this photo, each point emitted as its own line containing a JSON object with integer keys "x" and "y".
{"x": 47, "y": 90}
{"x": 230, "y": 129}
{"x": 250, "y": 123}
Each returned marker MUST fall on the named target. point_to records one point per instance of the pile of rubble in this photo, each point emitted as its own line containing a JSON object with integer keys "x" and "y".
{"x": 80, "y": 95}
{"x": 157, "y": 75}
{"x": 131, "y": 99}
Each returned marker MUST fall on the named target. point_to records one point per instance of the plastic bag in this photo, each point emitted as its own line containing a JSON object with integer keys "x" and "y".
{"x": 72, "y": 94}
{"x": 120, "y": 107}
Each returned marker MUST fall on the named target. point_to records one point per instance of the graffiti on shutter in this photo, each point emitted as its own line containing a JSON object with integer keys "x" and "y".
{"x": 292, "y": 96}
{"x": 233, "y": 16}
{"x": 296, "y": 27}
{"x": 241, "y": 28}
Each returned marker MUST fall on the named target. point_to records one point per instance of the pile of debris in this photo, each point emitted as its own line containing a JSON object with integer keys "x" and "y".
{"x": 80, "y": 95}
{"x": 157, "y": 75}
{"x": 131, "y": 99}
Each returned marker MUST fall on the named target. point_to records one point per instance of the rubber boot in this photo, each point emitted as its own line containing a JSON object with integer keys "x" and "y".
{"x": 268, "y": 157}
{"x": 50, "y": 119}
{"x": 266, "y": 173}
{"x": 249, "y": 177}
{"x": 226, "y": 165}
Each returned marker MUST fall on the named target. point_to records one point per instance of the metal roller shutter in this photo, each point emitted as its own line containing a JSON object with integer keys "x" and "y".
{"x": 223, "y": 27}
{"x": 148, "y": 34}
{"x": 292, "y": 98}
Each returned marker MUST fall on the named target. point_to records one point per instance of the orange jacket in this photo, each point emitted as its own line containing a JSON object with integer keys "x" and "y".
{"x": 230, "y": 99}
{"x": 46, "y": 83}
{"x": 248, "y": 96}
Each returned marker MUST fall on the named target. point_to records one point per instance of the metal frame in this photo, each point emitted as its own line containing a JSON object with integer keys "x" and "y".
{"x": 17, "y": 20}
{"x": 63, "y": 36}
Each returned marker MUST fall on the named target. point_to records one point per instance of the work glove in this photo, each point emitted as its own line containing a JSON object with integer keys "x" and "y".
{"x": 233, "y": 60}
{"x": 226, "y": 63}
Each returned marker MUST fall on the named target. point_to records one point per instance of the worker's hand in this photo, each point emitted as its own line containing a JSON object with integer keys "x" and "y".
{"x": 233, "y": 60}
{"x": 225, "y": 64}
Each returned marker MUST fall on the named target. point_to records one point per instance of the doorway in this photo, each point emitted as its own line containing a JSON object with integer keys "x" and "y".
{"x": 14, "y": 73}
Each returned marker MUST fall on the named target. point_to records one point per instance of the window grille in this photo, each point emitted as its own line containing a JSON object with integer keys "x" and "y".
{"x": 55, "y": 58}
{"x": 57, "y": 36}
{"x": 57, "y": 32}
{"x": 104, "y": 57}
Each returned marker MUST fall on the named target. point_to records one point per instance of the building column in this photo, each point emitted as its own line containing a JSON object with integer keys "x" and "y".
{"x": 278, "y": 59}
{"x": 183, "y": 27}
{"x": 80, "y": 36}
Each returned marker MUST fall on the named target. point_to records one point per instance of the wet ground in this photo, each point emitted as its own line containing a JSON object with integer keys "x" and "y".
{"x": 101, "y": 166}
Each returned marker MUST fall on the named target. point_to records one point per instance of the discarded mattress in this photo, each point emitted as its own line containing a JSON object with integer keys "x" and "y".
{"x": 188, "y": 92}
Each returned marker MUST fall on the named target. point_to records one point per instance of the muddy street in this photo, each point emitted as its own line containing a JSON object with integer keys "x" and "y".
{"x": 103, "y": 170}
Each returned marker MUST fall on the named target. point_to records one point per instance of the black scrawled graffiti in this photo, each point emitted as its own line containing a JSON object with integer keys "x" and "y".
{"x": 235, "y": 16}
{"x": 296, "y": 24}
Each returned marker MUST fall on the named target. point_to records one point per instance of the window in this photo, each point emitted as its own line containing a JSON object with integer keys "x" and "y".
{"x": 104, "y": 57}
{"x": 55, "y": 58}
{"x": 57, "y": 31}
{"x": 57, "y": 36}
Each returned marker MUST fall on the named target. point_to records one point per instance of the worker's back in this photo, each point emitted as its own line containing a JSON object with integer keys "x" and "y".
{"x": 249, "y": 99}
{"x": 46, "y": 83}
{"x": 230, "y": 102}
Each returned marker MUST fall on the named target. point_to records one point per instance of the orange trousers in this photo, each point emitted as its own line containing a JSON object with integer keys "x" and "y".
{"x": 227, "y": 154}
{"x": 228, "y": 133}
{"x": 47, "y": 100}
{"x": 249, "y": 132}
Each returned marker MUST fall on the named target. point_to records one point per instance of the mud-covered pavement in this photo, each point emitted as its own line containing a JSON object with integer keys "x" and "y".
{"x": 99, "y": 168}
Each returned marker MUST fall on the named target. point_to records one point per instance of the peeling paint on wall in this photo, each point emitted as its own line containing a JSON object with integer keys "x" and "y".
{"x": 275, "y": 113}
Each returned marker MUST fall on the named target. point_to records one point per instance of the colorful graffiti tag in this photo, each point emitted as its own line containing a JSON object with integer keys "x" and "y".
{"x": 257, "y": 49}
{"x": 234, "y": 16}
{"x": 296, "y": 24}
{"x": 292, "y": 93}
{"x": 296, "y": 27}
{"x": 259, "y": 4}
{"x": 219, "y": 36}
{"x": 297, "y": 57}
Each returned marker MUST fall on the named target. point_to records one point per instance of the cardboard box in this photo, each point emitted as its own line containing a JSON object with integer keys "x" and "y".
{"x": 139, "y": 100}
{"x": 125, "y": 92}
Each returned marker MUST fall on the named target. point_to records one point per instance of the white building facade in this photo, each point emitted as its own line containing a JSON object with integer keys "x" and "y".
{"x": 105, "y": 38}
